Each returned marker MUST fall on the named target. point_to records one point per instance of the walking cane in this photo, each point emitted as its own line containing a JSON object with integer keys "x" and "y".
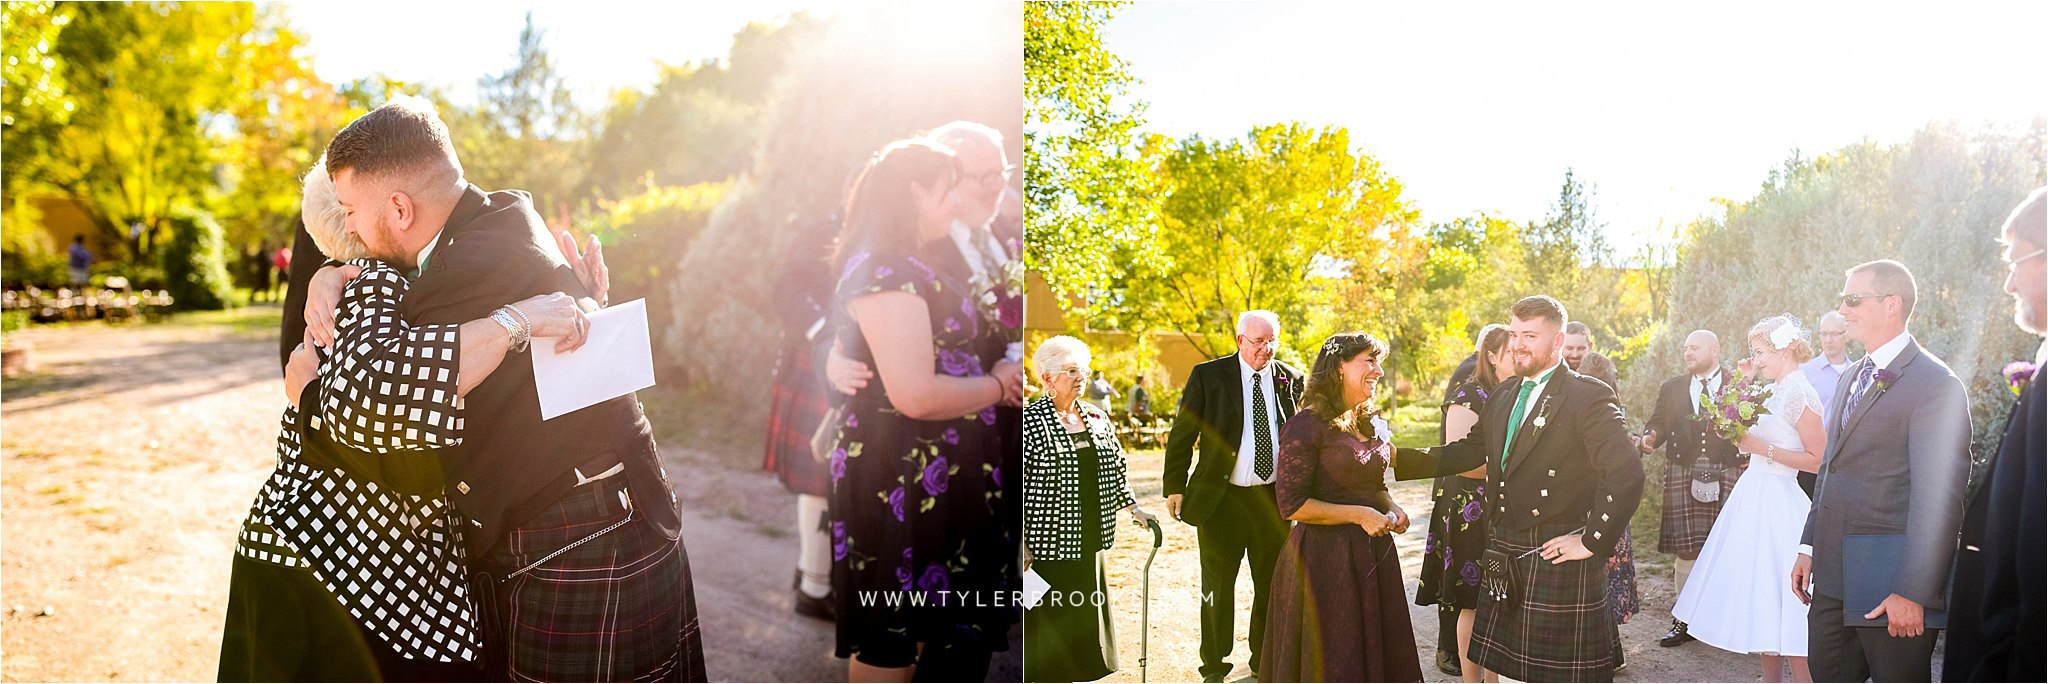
{"x": 1145, "y": 606}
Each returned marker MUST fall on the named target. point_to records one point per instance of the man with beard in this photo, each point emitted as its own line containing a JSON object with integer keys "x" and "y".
{"x": 572, "y": 527}
{"x": 1700, "y": 468}
{"x": 1997, "y": 607}
{"x": 1579, "y": 355}
{"x": 1562, "y": 483}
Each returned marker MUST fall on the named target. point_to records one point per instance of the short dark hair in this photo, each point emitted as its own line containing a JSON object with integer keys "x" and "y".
{"x": 404, "y": 136}
{"x": 1892, "y": 278}
{"x": 1578, "y": 328}
{"x": 1539, "y": 306}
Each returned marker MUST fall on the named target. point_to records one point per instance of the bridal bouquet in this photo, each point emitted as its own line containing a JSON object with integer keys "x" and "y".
{"x": 1000, "y": 298}
{"x": 1736, "y": 408}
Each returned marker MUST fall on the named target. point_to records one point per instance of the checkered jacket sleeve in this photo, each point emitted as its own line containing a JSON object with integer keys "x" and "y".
{"x": 390, "y": 385}
{"x": 1052, "y": 482}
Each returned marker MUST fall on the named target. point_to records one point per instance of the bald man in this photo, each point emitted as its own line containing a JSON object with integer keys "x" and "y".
{"x": 1700, "y": 468}
{"x": 1825, "y": 371}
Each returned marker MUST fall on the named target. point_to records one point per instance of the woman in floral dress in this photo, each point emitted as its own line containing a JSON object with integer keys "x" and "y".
{"x": 922, "y": 565}
{"x": 1457, "y": 526}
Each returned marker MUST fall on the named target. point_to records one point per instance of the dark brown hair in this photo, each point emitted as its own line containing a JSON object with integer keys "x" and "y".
{"x": 402, "y": 137}
{"x": 1539, "y": 306}
{"x": 1493, "y": 339}
{"x": 880, "y": 211}
{"x": 1892, "y": 278}
{"x": 1323, "y": 394}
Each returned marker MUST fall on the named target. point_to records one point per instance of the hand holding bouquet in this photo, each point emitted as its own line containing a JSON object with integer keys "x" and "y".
{"x": 1736, "y": 408}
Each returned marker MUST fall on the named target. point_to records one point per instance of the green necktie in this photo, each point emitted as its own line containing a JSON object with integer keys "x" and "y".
{"x": 1515, "y": 420}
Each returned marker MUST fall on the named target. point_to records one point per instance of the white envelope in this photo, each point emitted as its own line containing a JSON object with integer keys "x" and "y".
{"x": 617, "y": 360}
{"x": 1034, "y": 588}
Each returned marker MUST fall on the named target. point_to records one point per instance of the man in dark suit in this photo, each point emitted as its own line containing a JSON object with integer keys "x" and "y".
{"x": 571, "y": 521}
{"x": 1692, "y": 453}
{"x": 1232, "y": 409}
{"x": 1897, "y": 461}
{"x": 1562, "y": 482}
{"x": 1998, "y": 603}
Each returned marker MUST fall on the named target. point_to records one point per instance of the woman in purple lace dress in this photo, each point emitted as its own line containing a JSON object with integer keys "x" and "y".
{"x": 1339, "y": 611}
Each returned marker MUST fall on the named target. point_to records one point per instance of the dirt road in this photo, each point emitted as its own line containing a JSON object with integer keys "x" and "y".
{"x": 129, "y": 458}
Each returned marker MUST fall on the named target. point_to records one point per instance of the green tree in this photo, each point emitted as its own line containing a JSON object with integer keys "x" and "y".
{"x": 1087, "y": 202}
{"x": 525, "y": 131}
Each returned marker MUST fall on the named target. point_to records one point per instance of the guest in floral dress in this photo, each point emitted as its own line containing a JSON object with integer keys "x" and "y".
{"x": 1338, "y": 613}
{"x": 1457, "y": 525}
{"x": 922, "y": 566}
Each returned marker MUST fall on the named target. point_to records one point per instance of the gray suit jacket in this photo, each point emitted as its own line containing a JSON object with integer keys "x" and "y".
{"x": 1898, "y": 465}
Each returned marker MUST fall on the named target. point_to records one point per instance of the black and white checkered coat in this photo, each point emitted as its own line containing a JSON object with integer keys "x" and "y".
{"x": 394, "y": 560}
{"x": 1052, "y": 481}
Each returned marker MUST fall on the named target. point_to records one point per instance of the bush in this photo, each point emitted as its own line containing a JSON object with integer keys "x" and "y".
{"x": 194, "y": 262}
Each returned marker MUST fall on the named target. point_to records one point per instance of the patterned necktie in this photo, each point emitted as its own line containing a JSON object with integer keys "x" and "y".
{"x": 1262, "y": 432}
{"x": 1862, "y": 384}
{"x": 1515, "y": 420}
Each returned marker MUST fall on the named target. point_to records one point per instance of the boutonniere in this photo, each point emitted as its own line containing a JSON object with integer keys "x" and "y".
{"x": 2017, "y": 373}
{"x": 1542, "y": 415}
{"x": 1885, "y": 378}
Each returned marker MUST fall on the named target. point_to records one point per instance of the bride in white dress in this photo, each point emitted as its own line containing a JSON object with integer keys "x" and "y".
{"x": 1736, "y": 598}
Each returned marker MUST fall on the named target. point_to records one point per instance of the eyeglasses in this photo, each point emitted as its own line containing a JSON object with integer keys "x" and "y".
{"x": 1076, "y": 373}
{"x": 1852, "y": 300}
{"x": 2015, "y": 261}
{"x": 1833, "y": 333}
{"x": 993, "y": 177}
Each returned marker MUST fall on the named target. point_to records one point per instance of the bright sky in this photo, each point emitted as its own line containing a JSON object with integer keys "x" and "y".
{"x": 597, "y": 45}
{"x": 1481, "y": 106}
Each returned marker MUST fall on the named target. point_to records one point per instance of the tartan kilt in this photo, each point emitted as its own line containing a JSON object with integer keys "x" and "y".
{"x": 1686, "y": 520}
{"x": 1559, "y": 627}
{"x": 796, "y": 403}
{"x": 620, "y": 607}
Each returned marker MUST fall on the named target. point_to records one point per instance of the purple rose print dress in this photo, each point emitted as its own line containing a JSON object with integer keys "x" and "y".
{"x": 1457, "y": 530}
{"x": 1339, "y": 612}
{"x": 918, "y": 554}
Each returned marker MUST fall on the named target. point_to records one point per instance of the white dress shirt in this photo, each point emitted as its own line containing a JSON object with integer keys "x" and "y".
{"x": 1246, "y": 472}
{"x": 1711, "y": 383}
{"x": 978, "y": 246}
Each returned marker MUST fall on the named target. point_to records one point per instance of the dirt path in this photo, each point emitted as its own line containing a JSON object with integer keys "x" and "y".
{"x": 129, "y": 458}
{"x": 1176, "y": 624}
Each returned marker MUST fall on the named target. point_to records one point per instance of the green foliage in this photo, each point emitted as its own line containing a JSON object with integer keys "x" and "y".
{"x": 525, "y": 131}
{"x": 194, "y": 261}
{"x": 1086, "y": 193}
{"x": 1935, "y": 203}
{"x": 642, "y": 235}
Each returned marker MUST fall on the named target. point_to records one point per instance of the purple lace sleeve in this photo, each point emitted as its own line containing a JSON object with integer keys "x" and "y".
{"x": 1294, "y": 474}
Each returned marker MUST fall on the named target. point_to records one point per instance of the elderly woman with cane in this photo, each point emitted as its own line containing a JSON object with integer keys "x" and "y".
{"x": 1074, "y": 484}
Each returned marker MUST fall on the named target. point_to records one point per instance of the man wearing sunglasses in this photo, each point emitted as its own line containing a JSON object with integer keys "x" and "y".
{"x": 1998, "y": 605}
{"x": 1890, "y": 492}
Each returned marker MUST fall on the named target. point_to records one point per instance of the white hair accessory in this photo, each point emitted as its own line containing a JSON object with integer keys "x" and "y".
{"x": 1332, "y": 346}
{"x": 1784, "y": 334}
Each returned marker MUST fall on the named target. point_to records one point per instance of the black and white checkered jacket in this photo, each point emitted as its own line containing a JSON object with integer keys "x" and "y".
{"x": 1052, "y": 481}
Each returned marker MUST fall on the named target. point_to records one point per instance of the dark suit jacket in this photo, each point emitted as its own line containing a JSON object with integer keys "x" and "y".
{"x": 1898, "y": 465}
{"x": 1683, "y": 434}
{"x": 1997, "y": 607}
{"x": 1577, "y": 468}
{"x": 495, "y": 251}
{"x": 1212, "y": 416}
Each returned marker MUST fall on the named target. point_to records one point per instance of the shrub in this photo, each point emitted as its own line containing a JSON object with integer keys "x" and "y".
{"x": 194, "y": 262}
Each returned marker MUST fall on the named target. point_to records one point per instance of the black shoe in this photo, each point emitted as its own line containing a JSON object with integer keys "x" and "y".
{"x": 821, "y": 608}
{"x": 1677, "y": 636}
{"x": 1449, "y": 664}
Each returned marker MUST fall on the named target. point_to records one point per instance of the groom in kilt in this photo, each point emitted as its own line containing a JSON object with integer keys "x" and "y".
{"x": 1562, "y": 482}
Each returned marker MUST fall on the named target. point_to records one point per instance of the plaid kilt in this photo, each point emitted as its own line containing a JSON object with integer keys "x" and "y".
{"x": 1687, "y": 520}
{"x": 620, "y": 607}
{"x": 1559, "y": 627}
{"x": 796, "y": 403}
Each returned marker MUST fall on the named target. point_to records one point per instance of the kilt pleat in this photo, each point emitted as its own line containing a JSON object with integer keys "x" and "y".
{"x": 1558, "y": 628}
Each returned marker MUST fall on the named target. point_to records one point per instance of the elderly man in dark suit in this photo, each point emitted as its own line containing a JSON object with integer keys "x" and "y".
{"x": 1897, "y": 460}
{"x": 1232, "y": 409}
{"x": 1562, "y": 482}
{"x": 1997, "y": 605}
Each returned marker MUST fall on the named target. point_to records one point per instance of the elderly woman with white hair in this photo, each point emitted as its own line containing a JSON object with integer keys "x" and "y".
{"x": 370, "y": 585}
{"x": 1074, "y": 484}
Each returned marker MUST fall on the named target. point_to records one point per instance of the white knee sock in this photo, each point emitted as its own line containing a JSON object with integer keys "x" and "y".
{"x": 814, "y": 544}
{"x": 1683, "y": 569}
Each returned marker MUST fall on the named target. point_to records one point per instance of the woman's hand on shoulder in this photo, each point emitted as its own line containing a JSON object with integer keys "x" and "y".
{"x": 323, "y": 294}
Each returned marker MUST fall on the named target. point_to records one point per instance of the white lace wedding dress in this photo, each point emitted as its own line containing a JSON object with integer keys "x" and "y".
{"x": 1739, "y": 597}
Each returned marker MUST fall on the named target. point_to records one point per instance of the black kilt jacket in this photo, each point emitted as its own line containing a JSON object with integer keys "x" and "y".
{"x": 1576, "y": 468}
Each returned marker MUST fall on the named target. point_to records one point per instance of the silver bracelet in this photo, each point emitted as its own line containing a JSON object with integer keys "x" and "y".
{"x": 518, "y": 331}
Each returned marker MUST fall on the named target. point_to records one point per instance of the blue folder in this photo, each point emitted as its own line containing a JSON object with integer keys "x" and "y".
{"x": 1869, "y": 562}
